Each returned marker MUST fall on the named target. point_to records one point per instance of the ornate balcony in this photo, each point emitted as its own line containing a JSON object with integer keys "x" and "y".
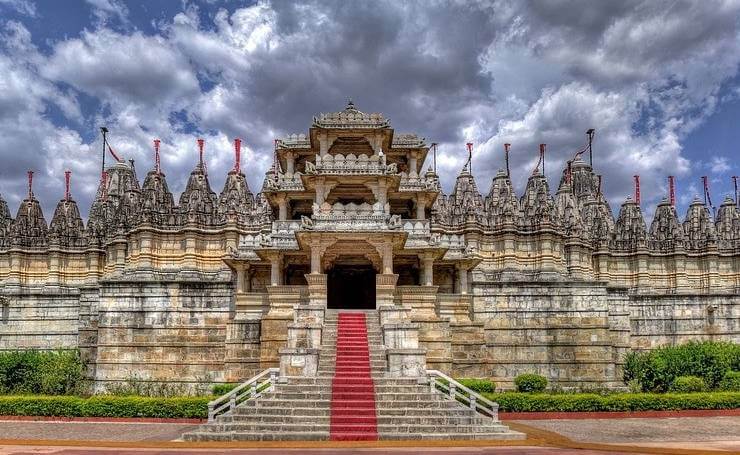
{"x": 281, "y": 182}
{"x": 351, "y": 217}
{"x": 417, "y": 183}
{"x": 350, "y": 164}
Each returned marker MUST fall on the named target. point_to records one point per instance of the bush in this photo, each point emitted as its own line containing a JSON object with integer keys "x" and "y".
{"x": 657, "y": 370}
{"x": 730, "y": 382}
{"x": 105, "y": 406}
{"x": 44, "y": 372}
{"x": 584, "y": 402}
{"x": 478, "y": 385}
{"x": 223, "y": 389}
{"x": 530, "y": 382}
{"x": 687, "y": 384}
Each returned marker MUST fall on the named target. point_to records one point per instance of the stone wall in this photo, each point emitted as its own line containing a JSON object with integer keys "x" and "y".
{"x": 166, "y": 330}
{"x": 39, "y": 317}
{"x": 659, "y": 320}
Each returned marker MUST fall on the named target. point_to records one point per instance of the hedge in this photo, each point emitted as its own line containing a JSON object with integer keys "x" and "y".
{"x": 731, "y": 382}
{"x": 105, "y": 406}
{"x": 536, "y": 402}
{"x": 656, "y": 370}
{"x": 530, "y": 382}
{"x": 45, "y": 372}
{"x": 197, "y": 407}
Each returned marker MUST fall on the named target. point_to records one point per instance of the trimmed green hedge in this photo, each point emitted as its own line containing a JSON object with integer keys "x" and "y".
{"x": 536, "y": 402}
{"x": 478, "y": 385}
{"x": 223, "y": 389}
{"x": 105, "y": 406}
{"x": 530, "y": 382}
{"x": 688, "y": 384}
{"x": 731, "y": 382}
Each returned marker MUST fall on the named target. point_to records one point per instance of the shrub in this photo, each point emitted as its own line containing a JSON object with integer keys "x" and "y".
{"x": 687, "y": 384}
{"x": 657, "y": 370}
{"x": 530, "y": 382}
{"x": 223, "y": 389}
{"x": 730, "y": 382}
{"x": 478, "y": 385}
{"x": 105, "y": 406}
{"x": 584, "y": 402}
{"x": 45, "y": 372}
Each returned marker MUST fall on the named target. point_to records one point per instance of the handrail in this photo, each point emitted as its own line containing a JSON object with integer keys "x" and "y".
{"x": 441, "y": 383}
{"x": 251, "y": 388}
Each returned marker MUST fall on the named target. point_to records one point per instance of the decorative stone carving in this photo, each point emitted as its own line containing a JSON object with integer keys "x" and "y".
{"x": 350, "y": 117}
{"x": 538, "y": 207}
{"x": 236, "y": 202}
{"x": 630, "y": 232}
{"x": 5, "y": 221}
{"x": 728, "y": 225}
{"x": 666, "y": 232}
{"x": 698, "y": 227}
{"x": 29, "y": 228}
{"x": 568, "y": 211}
{"x": 198, "y": 202}
{"x": 465, "y": 203}
{"x": 157, "y": 202}
{"x": 502, "y": 204}
{"x": 67, "y": 229}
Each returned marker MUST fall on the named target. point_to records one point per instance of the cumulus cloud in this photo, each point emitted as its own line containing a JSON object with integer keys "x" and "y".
{"x": 644, "y": 74}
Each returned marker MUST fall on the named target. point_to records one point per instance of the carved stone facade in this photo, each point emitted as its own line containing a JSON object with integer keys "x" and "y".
{"x": 218, "y": 287}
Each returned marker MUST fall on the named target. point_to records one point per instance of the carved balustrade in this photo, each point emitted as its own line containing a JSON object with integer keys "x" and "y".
{"x": 351, "y": 164}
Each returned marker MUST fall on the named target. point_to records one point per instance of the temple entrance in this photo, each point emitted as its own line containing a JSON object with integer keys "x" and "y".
{"x": 351, "y": 287}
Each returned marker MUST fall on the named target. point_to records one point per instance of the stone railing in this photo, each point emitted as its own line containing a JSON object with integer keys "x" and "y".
{"x": 282, "y": 182}
{"x": 283, "y": 238}
{"x": 351, "y": 164}
{"x": 417, "y": 183}
{"x": 350, "y": 217}
{"x": 248, "y": 390}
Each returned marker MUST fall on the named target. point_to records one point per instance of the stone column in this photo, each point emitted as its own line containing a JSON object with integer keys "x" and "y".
{"x": 412, "y": 165}
{"x": 428, "y": 267}
{"x": 462, "y": 279}
{"x": 282, "y": 207}
{"x": 240, "y": 269}
{"x": 420, "y": 206}
{"x": 290, "y": 158}
{"x": 323, "y": 144}
{"x": 276, "y": 270}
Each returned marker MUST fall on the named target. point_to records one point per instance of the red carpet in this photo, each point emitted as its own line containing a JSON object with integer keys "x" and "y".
{"x": 352, "y": 389}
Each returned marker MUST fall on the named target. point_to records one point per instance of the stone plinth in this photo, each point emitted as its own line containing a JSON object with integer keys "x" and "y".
{"x": 393, "y": 313}
{"x": 407, "y": 363}
{"x": 401, "y": 335}
{"x": 385, "y": 288}
{"x": 316, "y": 288}
{"x": 455, "y": 307}
{"x": 242, "y": 349}
{"x": 304, "y": 335}
{"x": 251, "y": 305}
{"x": 469, "y": 352}
{"x": 310, "y": 313}
{"x": 421, "y": 299}
{"x": 299, "y": 362}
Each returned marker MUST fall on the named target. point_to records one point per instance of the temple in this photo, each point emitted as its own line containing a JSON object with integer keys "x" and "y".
{"x": 218, "y": 287}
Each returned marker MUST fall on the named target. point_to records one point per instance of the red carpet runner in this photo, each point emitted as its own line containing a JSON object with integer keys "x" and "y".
{"x": 352, "y": 389}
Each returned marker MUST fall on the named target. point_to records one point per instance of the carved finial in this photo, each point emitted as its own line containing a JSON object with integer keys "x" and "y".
{"x": 237, "y": 154}
{"x": 66, "y": 184}
{"x": 637, "y": 189}
{"x": 507, "y": 149}
{"x": 350, "y": 105}
{"x": 672, "y": 190}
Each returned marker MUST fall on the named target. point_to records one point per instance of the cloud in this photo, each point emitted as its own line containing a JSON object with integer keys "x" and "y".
{"x": 644, "y": 74}
{"x": 23, "y": 7}
{"x": 719, "y": 164}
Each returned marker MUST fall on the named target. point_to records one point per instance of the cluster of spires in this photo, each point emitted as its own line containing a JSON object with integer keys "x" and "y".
{"x": 580, "y": 212}
{"x": 121, "y": 205}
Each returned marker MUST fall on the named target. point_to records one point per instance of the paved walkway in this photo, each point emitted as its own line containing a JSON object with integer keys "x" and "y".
{"x": 545, "y": 437}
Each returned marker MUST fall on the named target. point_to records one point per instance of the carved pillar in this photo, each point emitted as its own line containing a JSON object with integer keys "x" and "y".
{"x": 290, "y": 158}
{"x": 276, "y": 271}
{"x": 323, "y": 144}
{"x": 412, "y": 165}
{"x": 240, "y": 278}
{"x": 386, "y": 253}
{"x": 420, "y": 205}
{"x": 282, "y": 207}
{"x": 462, "y": 279}
{"x": 428, "y": 267}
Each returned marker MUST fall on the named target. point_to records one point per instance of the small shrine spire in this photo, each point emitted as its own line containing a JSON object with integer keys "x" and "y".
{"x": 67, "y": 174}
{"x": 237, "y": 155}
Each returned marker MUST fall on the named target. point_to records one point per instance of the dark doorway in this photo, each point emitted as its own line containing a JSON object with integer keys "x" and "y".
{"x": 351, "y": 287}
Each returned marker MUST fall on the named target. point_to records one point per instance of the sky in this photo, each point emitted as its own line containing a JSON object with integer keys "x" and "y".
{"x": 658, "y": 80}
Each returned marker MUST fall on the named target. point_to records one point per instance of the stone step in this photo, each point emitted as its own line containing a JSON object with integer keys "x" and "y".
{"x": 358, "y": 418}
{"x": 328, "y": 394}
{"x": 251, "y": 412}
{"x": 325, "y": 403}
{"x": 305, "y": 427}
{"x": 328, "y": 381}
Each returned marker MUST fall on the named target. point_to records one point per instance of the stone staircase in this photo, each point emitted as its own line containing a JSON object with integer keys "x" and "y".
{"x": 301, "y": 408}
